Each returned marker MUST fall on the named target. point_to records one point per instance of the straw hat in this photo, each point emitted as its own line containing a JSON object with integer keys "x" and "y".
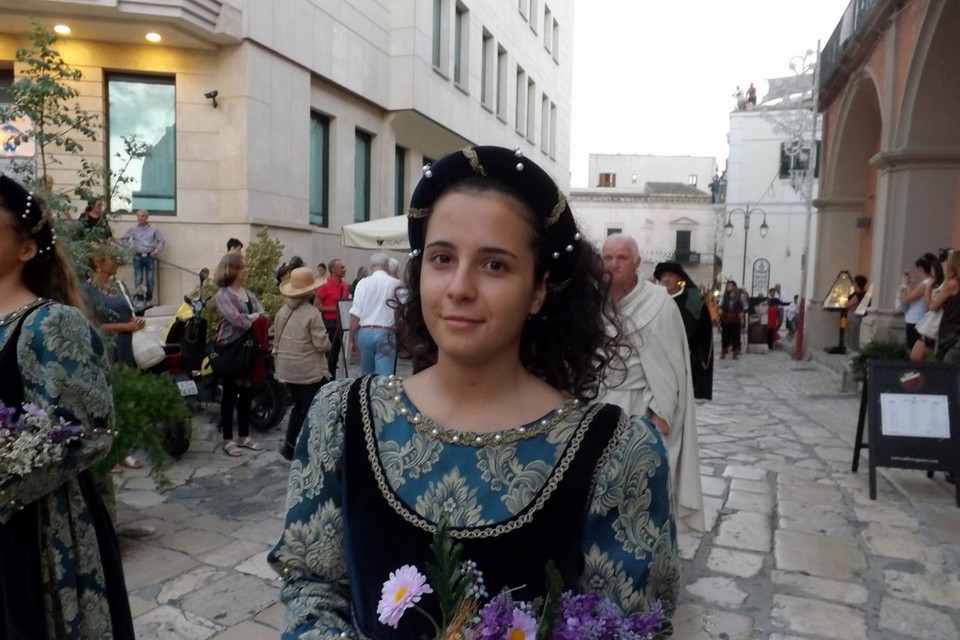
{"x": 301, "y": 282}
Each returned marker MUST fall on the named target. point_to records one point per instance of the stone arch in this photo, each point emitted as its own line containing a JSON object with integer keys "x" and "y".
{"x": 857, "y": 139}
{"x": 931, "y": 99}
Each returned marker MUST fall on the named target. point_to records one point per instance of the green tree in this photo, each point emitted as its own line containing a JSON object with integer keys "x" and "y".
{"x": 45, "y": 93}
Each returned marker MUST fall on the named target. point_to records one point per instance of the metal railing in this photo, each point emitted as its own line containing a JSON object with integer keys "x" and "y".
{"x": 687, "y": 257}
{"x": 855, "y": 17}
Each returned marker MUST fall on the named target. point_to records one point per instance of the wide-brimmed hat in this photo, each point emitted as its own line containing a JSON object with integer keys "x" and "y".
{"x": 300, "y": 282}
{"x": 562, "y": 240}
{"x": 672, "y": 267}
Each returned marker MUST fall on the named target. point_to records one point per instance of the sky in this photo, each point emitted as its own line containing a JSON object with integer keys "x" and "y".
{"x": 658, "y": 76}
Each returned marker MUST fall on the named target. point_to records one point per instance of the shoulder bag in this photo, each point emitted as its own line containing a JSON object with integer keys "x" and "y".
{"x": 147, "y": 346}
{"x": 929, "y": 325}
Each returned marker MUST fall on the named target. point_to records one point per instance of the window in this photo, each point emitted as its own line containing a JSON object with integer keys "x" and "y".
{"x": 553, "y": 130}
{"x": 142, "y": 110}
{"x": 486, "y": 71}
{"x": 544, "y": 124}
{"x": 796, "y": 158}
{"x": 461, "y": 46}
{"x": 6, "y": 80}
{"x": 612, "y": 231}
{"x": 547, "y": 28}
{"x": 521, "y": 100}
{"x": 531, "y": 110}
{"x": 361, "y": 177}
{"x": 556, "y": 40}
{"x": 399, "y": 182}
{"x": 502, "y": 80}
{"x": 522, "y": 6}
{"x": 692, "y": 179}
{"x": 441, "y": 35}
{"x": 319, "y": 170}
{"x": 607, "y": 180}
{"x": 683, "y": 242}
{"x": 534, "y": 18}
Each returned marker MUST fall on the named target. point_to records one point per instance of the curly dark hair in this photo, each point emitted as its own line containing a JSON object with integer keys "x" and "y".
{"x": 569, "y": 343}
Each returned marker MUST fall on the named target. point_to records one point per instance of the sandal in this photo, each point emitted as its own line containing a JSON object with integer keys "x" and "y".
{"x": 248, "y": 443}
{"x": 232, "y": 449}
{"x": 117, "y": 468}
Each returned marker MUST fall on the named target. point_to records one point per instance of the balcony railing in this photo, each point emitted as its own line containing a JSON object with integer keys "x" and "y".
{"x": 686, "y": 257}
{"x": 849, "y": 31}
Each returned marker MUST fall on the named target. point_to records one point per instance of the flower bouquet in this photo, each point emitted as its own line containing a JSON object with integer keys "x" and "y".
{"x": 461, "y": 591}
{"x": 31, "y": 441}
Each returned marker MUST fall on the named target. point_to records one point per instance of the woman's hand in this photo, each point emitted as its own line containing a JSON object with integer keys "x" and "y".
{"x": 136, "y": 324}
{"x": 253, "y": 316}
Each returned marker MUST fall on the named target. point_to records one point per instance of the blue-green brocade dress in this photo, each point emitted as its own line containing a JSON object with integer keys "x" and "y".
{"x": 63, "y": 369}
{"x": 628, "y": 538}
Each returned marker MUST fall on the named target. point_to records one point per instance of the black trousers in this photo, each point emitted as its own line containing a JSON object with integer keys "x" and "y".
{"x": 730, "y": 336}
{"x": 336, "y": 339}
{"x": 239, "y": 397}
{"x": 302, "y": 395}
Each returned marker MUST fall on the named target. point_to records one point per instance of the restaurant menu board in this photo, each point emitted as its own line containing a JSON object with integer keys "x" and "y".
{"x": 913, "y": 416}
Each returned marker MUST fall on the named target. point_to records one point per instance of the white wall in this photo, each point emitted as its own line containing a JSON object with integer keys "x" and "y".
{"x": 649, "y": 168}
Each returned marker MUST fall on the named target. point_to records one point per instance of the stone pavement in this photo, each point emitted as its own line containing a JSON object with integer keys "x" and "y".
{"x": 795, "y": 549}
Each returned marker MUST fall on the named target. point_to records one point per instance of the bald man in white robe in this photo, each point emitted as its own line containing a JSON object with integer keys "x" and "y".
{"x": 657, "y": 382}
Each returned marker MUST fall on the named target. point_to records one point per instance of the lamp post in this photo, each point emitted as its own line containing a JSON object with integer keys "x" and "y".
{"x": 728, "y": 228}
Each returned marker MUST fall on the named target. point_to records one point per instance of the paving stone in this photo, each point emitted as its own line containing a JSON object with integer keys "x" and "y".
{"x": 824, "y": 588}
{"x": 919, "y": 488}
{"x": 257, "y": 566}
{"x": 722, "y": 591}
{"x": 818, "y": 494}
{"x": 273, "y": 615}
{"x": 735, "y": 563}
{"x": 896, "y": 542}
{"x": 818, "y": 555}
{"x": 688, "y": 543}
{"x": 210, "y": 522}
{"x": 945, "y": 521}
{"x": 140, "y": 499}
{"x": 745, "y": 473}
{"x": 934, "y": 588}
{"x": 693, "y": 622}
{"x": 745, "y": 530}
{"x": 267, "y": 532}
{"x": 232, "y": 554}
{"x": 194, "y": 541}
{"x": 712, "y": 486}
{"x": 815, "y": 617}
{"x": 916, "y": 621}
{"x": 711, "y": 511}
{"x": 886, "y": 514}
{"x": 753, "y": 486}
{"x": 147, "y": 564}
{"x": 232, "y": 599}
{"x": 140, "y": 606}
{"x": 748, "y": 501}
{"x": 189, "y": 582}
{"x": 247, "y": 631}
{"x": 169, "y": 623}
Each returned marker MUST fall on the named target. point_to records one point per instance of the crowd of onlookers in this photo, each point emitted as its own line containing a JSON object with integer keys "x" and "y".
{"x": 931, "y": 307}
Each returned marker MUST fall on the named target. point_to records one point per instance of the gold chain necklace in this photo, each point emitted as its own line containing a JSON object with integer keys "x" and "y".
{"x": 426, "y": 426}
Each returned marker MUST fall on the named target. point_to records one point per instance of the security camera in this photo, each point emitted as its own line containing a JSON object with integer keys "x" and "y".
{"x": 210, "y": 95}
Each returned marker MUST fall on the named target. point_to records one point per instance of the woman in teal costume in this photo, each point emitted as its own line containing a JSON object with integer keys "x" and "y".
{"x": 498, "y": 436}
{"x": 60, "y": 571}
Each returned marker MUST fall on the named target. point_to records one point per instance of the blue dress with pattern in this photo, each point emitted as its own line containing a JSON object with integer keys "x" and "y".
{"x": 628, "y": 539}
{"x": 56, "y": 514}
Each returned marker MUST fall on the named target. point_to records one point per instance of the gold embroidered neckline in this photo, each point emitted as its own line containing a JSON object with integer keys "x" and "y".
{"x": 15, "y": 315}
{"x": 428, "y": 427}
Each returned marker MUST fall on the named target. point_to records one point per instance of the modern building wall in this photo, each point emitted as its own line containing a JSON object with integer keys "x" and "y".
{"x": 359, "y": 66}
{"x": 632, "y": 171}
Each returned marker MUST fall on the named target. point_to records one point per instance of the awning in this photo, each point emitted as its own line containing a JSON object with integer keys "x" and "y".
{"x": 382, "y": 233}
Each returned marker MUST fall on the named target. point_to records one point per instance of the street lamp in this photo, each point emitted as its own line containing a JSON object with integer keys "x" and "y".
{"x": 728, "y": 228}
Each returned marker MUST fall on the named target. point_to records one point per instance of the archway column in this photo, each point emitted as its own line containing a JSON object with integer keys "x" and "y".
{"x": 837, "y": 240}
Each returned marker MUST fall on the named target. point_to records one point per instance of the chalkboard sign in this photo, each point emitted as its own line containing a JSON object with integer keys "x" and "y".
{"x": 913, "y": 416}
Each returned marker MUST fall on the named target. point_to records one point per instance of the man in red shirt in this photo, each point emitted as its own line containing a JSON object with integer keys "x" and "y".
{"x": 328, "y": 295}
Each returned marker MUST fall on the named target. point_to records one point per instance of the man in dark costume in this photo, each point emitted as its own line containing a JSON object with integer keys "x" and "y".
{"x": 696, "y": 324}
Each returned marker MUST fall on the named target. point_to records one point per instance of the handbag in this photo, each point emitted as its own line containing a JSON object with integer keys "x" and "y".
{"x": 147, "y": 346}
{"x": 233, "y": 359}
{"x": 929, "y": 325}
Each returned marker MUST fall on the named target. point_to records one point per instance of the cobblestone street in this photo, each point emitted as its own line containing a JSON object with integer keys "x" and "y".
{"x": 795, "y": 549}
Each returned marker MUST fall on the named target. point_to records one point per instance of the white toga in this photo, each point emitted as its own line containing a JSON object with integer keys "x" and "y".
{"x": 658, "y": 378}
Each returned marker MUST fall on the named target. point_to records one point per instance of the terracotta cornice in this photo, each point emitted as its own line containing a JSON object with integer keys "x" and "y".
{"x": 916, "y": 159}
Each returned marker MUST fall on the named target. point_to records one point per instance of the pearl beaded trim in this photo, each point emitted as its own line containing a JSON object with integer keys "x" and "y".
{"x": 426, "y": 426}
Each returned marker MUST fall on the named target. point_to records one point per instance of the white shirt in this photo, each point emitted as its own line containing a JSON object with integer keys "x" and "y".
{"x": 370, "y": 299}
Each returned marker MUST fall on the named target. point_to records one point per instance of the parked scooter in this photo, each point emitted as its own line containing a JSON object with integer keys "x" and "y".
{"x": 196, "y": 381}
